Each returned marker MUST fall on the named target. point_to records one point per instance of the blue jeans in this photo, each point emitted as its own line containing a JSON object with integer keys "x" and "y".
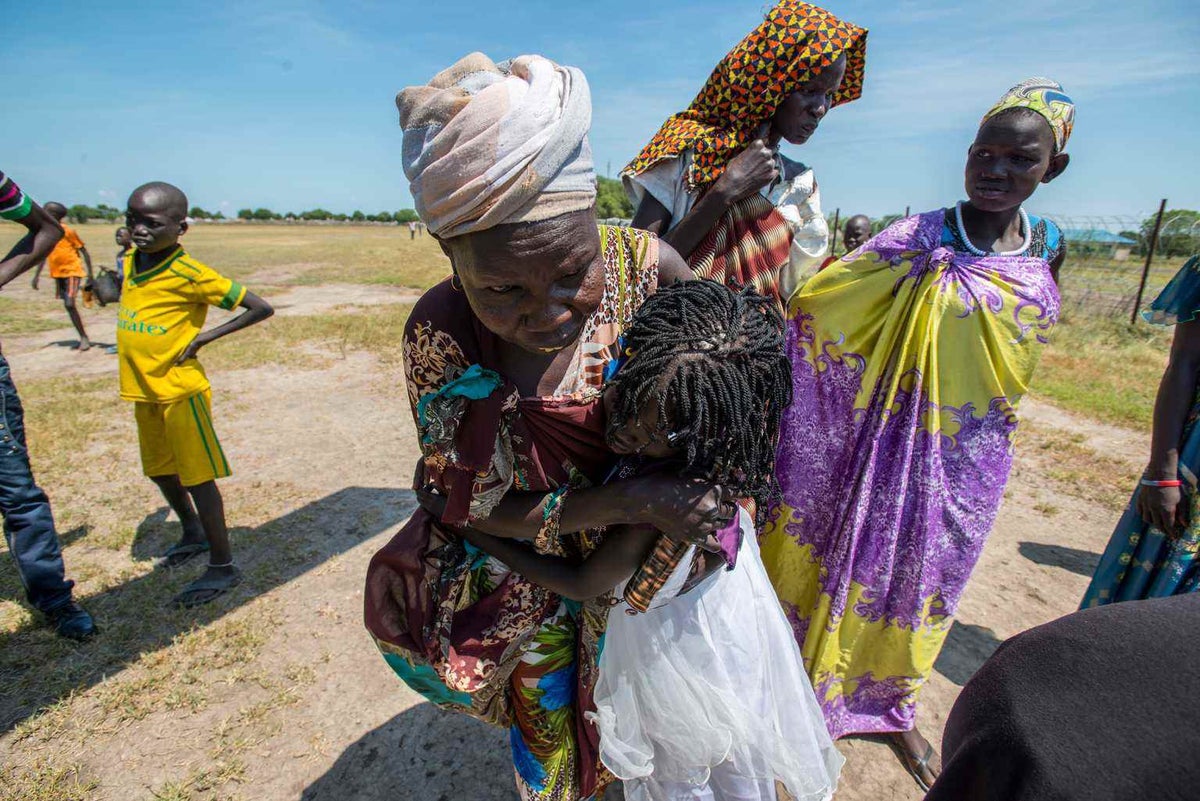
{"x": 28, "y": 524}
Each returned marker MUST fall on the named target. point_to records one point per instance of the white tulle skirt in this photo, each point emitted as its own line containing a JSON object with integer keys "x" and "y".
{"x": 704, "y": 696}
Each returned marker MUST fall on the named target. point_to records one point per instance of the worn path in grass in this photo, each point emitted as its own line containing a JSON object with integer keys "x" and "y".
{"x": 276, "y": 692}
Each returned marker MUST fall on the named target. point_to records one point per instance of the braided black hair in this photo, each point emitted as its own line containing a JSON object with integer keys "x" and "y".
{"x": 714, "y": 360}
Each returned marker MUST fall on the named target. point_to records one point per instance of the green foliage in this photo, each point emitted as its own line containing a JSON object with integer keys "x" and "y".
{"x": 81, "y": 214}
{"x": 1104, "y": 368}
{"x": 197, "y": 213}
{"x": 1180, "y": 234}
{"x": 876, "y": 225}
{"x": 401, "y": 216}
{"x": 611, "y": 200}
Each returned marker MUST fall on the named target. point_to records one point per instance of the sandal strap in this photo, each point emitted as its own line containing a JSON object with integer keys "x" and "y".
{"x": 215, "y": 583}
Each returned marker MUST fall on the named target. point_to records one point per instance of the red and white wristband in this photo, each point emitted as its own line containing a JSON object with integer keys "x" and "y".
{"x": 1171, "y": 482}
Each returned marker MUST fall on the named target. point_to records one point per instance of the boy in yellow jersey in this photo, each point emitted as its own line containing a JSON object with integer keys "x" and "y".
{"x": 66, "y": 269}
{"x": 164, "y": 302}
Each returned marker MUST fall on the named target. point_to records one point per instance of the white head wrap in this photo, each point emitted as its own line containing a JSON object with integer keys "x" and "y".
{"x": 488, "y": 144}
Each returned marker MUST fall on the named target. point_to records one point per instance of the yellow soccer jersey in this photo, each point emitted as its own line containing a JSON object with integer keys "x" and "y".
{"x": 162, "y": 311}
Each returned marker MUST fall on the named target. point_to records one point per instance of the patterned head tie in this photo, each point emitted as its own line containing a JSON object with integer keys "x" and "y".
{"x": 1047, "y": 98}
{"x": 792, "y": 46}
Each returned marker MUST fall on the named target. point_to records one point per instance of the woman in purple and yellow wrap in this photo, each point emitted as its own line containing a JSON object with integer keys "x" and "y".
{"x": 910, "y": 356}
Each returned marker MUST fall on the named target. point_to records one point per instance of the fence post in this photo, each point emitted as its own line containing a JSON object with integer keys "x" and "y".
{"x": 1137, "y": 304}
{"x": 906, "y": 214}
{"x": 833, "y": 242}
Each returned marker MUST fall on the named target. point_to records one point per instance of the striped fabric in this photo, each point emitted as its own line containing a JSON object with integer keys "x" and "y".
{"x": 200, "y": 406}
{"x": 654, "y": 572}
{"x": 14, "y": 204}
{"x": 749, "y": 246}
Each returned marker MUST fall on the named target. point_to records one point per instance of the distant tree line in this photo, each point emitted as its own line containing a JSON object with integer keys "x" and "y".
{"x": 260, "y": 214}
{"x": 611, "y": 202}
{"x": 1180, "y": 234}
{"x": 81, "y": 214}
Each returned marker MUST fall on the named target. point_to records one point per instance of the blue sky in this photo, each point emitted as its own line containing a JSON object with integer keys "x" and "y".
{"x": 289, "y": 105}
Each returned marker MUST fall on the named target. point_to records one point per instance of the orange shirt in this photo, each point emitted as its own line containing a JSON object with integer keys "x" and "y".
{"x": 64, "y": 260}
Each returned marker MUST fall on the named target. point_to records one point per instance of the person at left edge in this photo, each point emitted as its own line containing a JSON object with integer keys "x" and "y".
{"x": 28, "y": 522}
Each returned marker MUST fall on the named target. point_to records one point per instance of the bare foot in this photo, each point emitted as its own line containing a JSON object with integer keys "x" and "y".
{"x": 84, "y": 344}
{"x": 918, "y": 756}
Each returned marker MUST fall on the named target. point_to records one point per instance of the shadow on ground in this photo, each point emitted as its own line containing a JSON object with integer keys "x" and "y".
{"x": 66, "y": 538}
{"x": 155, "y": 535}
{"x": 73, "y": 344}
{"x": 424, "y": 752}
{"x": 967, "y": 648}
{"x": 1081, "y": 563}
{"x": 136, "y": 617}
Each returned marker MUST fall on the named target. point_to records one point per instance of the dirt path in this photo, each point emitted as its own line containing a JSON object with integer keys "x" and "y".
{"x": 322, "y": 460}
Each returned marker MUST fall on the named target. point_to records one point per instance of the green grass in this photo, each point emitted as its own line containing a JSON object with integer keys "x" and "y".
{"x": 67, "y": 421}
{"x": 1104, "y": 368}
{"x": 45, "y": 781}
{"x": 291, "y": 255}
{"x": 282, "y": 340}
{"x": 26, "y": 318}
{"x": 1101, "y": 285}
{"x": 1073, "y": 468}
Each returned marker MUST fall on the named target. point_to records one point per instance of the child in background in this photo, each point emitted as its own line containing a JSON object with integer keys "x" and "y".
{"x": 164, "y": 304}
{"x": 856, "y": 232}
{"x": 703, "y": 696}
{"x": 66, "y": 268}
{"x": 124, "y": 240}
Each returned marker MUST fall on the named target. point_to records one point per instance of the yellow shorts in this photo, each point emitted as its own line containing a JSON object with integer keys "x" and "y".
{"x": 177, "y": 438}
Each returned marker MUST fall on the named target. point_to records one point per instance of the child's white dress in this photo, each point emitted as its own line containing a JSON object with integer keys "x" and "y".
{"x": 704, "y": 696}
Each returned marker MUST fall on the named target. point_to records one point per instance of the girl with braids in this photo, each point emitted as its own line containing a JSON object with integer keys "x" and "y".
{"x": 702, "y": 696}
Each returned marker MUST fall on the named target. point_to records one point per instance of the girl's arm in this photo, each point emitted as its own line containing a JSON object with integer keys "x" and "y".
{"x": 615, "y": 560}
{"x": 748, "y": 172}
{"x": 686, "y": 509}
{"x": 1161, "y": 507}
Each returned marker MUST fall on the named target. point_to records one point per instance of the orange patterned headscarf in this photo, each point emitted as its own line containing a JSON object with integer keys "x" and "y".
{"x": 792, "y": 45}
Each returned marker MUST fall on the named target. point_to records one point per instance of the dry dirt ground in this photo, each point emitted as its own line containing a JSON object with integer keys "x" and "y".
{"x": 276, "y": 691}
